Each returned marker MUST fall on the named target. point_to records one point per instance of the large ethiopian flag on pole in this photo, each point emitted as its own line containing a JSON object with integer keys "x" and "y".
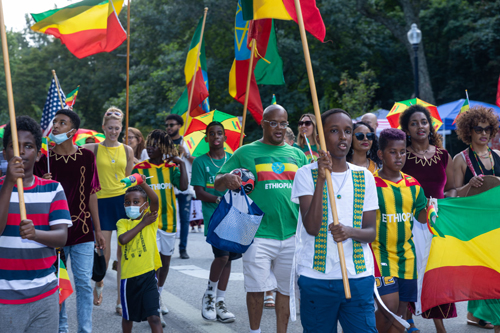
{"x": 86, "y": 27}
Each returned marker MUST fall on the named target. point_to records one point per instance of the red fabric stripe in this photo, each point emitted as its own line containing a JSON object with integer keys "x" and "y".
{"x": 313, "y": 22}
{"x": 375, "y": 264}
{"x": 88, "y": 42}
{"x": 27, "y": 264}
{"x": 200, "y": 93}
{"x": 452, "y": 284}
{"x": 59, "y": 205}
{"x": 38, "y": 219}
{"x": 28, "y": 300}
{"x": 65, "y": 290}
{"x": 254, "y": 101}
{"x": 270, "y": 175}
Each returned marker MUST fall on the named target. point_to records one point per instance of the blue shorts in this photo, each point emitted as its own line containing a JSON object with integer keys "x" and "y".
{"x": 407, "y": 288}
{"x": 110, "y": 211}
{"x": 323, "y": 304}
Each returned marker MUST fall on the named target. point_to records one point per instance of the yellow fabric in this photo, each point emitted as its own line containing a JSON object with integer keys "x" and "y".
{"x": 110, "y": 184}
{"x": 479, "y": 251}
{"x": 270, "y": 9}
{"x": 140, "y": 255}
{"x": 269, "y": 167}
{"x": 191, "y": 62}
{"x": 69, "y": 21}
{"x": 232, "y": 80}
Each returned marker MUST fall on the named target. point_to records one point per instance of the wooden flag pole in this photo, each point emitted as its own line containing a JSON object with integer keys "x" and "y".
{"x": 247, "y": 93}
{"x": 58, "y": 87}
{"x": 184, "y": 128}
{"x": 128, "y": 77}
{"x": 12, "y": 111}
{"x": 321, "y": 134}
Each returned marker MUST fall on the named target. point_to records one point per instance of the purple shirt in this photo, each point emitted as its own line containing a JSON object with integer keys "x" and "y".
{"x": 77, "y": 174}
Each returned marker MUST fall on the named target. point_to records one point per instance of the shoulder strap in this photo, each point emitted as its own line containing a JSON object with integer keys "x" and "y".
{"x": 465, "y": 155}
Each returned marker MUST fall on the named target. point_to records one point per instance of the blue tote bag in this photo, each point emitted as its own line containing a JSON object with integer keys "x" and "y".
{"x": 232, "y": 230}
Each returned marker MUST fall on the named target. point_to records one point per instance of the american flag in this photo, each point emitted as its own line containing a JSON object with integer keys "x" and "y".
{"x": 52, "y": 105}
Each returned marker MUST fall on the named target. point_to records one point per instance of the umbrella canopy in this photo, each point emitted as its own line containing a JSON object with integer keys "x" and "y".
{"x": 400, "y": 107}
{"x": 83, "y": 134}
{"x": 195, "y": 134}
{"x": 2, "y": 130}
{"x": 231, "y": 126}
{"x": 449, "y": 111}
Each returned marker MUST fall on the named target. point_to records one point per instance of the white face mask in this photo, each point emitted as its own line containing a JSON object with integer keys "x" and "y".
{"x": 133, "y": 212}
{"x": 59, "y": 138}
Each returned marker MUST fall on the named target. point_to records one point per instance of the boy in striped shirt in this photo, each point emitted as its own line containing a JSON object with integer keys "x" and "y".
{"x": 401, "y": 199}
{"x": 28, "y": 285}
{"x": 165, "y": 175}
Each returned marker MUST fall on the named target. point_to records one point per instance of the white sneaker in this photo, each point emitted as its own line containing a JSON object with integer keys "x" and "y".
{"x": 163, "y": 323}
{"x": 208, "y": 307}
{"x": 223, "y": 315}
{"x": 163, "y": 308}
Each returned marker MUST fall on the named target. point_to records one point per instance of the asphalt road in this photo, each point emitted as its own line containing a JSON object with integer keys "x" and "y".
{"x": 182, "y": 295}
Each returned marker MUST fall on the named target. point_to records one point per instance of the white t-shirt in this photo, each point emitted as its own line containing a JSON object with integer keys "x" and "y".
{"x": 189, "y": 170}
{"x": 303, "y": 185}
{"x": 144, "y": 155}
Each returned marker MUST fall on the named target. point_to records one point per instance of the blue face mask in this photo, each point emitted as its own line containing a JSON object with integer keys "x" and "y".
{"x": 133, "y": 212}
{"x": 58, "y": 138}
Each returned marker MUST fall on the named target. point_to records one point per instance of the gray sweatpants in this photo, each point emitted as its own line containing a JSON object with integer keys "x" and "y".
{"x": 41, "y": 316}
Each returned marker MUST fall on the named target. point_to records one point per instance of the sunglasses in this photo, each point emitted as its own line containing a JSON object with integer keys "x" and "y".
{"x": 114, "y": 113}
{"x": 306, "y": 123}
{"x": 479, "y": 129}
{"x": 361, "y": 136}
{"x": 170, "y": 125}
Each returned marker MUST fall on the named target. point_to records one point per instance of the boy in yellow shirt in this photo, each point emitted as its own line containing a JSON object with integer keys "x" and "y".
{"x": 140, "y": 258}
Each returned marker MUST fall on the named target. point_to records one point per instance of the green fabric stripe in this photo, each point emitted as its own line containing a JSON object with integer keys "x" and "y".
{"x": 412, "y": 244}
{"x": 163, "y": 199}
{"x": 398, "y": 200}
{"x": 461, "y": 212}
{"x": 265, "y": 160}
{"x": 382, "y": 236}
{"x": 172, "y": 201}
{"x": 182, "y": 104}
{"x": 69, "y": 11}
{"x": 270, "y": 74}
{"x": 320, "y": 241}
{"x": 196, "y": 36}
{"x": 247, "y": 7}
{"x": 413, "y": 190}
{"x": 358, "y": 257}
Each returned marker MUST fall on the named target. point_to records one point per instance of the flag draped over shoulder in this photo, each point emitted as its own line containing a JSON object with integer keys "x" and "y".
{"x": 244, "y": 32}
{"x": 463, "y": 263}
{"x": 199, "y": 75}
{"x": 285, "y": 10}
{"x": 86, "y": 27}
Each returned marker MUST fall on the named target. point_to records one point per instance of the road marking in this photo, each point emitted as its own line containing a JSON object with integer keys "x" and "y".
{"x": 201, "y": 273}
{"x": 192, "y": 315}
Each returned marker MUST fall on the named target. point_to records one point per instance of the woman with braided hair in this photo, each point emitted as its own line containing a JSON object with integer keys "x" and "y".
{"x": 166, "y": 174}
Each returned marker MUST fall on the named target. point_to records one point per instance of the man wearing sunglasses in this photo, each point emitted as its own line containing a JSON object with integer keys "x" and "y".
{"x": 267, "y": 263}
{"x": 173, "y": 123}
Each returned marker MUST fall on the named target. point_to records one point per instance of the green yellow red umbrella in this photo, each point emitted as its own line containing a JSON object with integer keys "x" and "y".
{"x": 83, "y": 134}
{"x": 195, "y": 134}
{"x": 400, "y": 107}
{"x": 2, "y": 129}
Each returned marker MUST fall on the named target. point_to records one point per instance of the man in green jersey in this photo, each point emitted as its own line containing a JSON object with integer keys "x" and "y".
{"x": 205, "y": 168}
{"x": 267, "y": 263}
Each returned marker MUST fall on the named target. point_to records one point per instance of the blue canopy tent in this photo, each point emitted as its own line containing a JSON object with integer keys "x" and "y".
{"x": 449, "y": 111}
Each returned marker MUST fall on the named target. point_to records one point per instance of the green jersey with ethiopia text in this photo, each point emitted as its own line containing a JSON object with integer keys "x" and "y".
{"x": 204, "y": 171}
{"x": 165, "y": 177}
{"x": 274, "y": 169}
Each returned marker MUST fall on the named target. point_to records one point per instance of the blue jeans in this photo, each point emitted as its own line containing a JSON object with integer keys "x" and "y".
{"x": 323, "y": 303}
{"x": 82, "y": 262}
{"x": 184, "y": 201}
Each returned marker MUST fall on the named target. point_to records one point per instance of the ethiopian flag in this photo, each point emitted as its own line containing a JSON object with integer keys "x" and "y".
{"x": 71, "y": 98}
{"x": 465, "y": 107}
{"x": 285, "y": 10}
{"x": 464, "y": 263}
{"x": 200, "y": 88}
{"x": 45, "y": 146}
{"x": 65, "y": 288}
{"x": 275, "y": 168}
{"x": 86, "y": 27}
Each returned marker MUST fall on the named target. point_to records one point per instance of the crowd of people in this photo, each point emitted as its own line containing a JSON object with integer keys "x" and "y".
{"x": 75, "y": 199}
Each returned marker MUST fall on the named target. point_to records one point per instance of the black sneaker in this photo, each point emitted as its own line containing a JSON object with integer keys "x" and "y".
{"x": 184, "y": 254}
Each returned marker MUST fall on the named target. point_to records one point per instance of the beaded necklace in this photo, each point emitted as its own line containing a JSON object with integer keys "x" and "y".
{"x": 477, "y": 160}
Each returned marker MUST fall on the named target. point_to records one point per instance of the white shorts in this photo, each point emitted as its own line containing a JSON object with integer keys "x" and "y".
{"x": 267, "y": 265}
{"x": 165, "y": 242}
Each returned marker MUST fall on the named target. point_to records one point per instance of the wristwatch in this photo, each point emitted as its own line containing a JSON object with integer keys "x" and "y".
{"x": 218, "y": 200}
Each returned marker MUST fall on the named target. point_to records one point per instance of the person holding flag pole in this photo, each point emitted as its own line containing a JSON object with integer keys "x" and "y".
{"x": 356, "y": 194}
{"x": 33, "y": 303}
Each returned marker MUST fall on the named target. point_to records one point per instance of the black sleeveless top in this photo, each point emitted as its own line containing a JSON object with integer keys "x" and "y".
{"x": 468, "y": 174}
